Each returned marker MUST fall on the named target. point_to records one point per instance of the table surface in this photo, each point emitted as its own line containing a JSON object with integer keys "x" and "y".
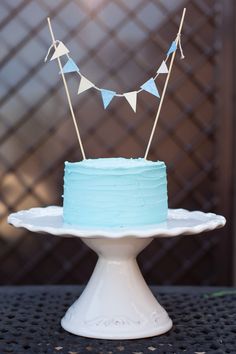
{"x": 204, "y": 322}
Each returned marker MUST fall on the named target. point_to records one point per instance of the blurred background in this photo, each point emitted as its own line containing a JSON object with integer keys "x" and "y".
{"x": 118, "y": 45}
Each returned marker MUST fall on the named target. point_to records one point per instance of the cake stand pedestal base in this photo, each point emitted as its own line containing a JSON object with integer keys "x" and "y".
{"x": 116, "y": 303}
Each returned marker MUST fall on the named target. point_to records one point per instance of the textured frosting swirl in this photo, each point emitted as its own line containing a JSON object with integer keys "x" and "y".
{"x": 115, "y": 192}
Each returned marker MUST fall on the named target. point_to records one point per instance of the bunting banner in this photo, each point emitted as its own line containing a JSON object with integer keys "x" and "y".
{"x": 149, "y": 86}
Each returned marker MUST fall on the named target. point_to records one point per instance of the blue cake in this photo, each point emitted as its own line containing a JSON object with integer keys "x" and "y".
{"x": 115, "y": 193}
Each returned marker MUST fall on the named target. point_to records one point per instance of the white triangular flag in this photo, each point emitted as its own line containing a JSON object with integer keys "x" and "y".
{"x": 163, "y": 68}
{"x": 84, "y": 84}
{"x": 60, "y": 50}
{"x": 132, "y": 99}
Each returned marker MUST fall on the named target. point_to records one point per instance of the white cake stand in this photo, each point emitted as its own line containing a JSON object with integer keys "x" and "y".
{"x": 117, "y": 303}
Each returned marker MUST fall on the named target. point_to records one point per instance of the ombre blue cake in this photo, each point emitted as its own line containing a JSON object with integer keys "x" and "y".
{"x": 115, "y": 193}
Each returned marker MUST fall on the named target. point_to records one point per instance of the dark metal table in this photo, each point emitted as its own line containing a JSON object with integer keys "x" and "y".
{"x": 204, "y": 322}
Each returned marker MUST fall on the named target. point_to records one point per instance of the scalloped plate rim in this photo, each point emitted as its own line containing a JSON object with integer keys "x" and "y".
{"x": 210, "y": 221}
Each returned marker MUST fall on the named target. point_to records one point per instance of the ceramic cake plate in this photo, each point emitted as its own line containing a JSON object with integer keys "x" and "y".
{"x": 117, "y": 303}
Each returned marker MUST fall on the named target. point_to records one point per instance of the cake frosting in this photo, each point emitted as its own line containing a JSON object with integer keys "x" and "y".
{"x": 115, "y": 192}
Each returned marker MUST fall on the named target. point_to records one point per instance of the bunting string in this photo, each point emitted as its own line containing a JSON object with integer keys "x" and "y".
{"x": 149, "y": 86}
{"x": 180, "y": 46}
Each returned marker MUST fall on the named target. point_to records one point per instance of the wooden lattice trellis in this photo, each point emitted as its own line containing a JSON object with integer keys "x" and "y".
{"x": 119, "y": 44}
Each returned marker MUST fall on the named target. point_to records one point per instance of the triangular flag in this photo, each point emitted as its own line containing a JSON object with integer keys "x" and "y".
{"x": 84, "y": 84}
{"x": 60, "y": 50}
{"x": 132, "y": 99}
{"x": 150, "y": 86}
{"x": 70, "y": 67}
{"x": 163, "y": 68}
{"x": 172, "y": 48}
{"x": 107, "y": 96}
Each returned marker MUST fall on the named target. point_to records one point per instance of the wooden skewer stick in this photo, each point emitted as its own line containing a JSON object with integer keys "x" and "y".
{"x": 165, "y": 86}
{"x": 67, "y": 91}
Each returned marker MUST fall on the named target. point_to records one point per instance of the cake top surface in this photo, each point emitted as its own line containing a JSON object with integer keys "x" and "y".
{"x": 115, "y": 162}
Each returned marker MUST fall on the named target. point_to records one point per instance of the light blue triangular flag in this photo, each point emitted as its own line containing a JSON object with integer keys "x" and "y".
{"x": 172, "y": 48}
{"x": 70, "y": 67}
{"x": 150, "y": 86}
{"x": 107, "y": 96}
